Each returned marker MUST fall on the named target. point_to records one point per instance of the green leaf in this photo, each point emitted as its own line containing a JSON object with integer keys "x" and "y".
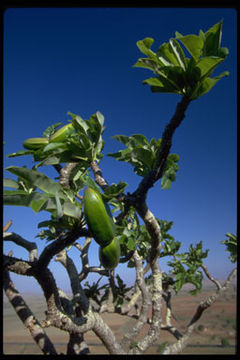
{"x": 58, "y": 207}
{"x": 114, "y": 190}
{"x": 193, "y": 43}
{"x": 166, "y": 55}
{"x": 71, "y": 210}
{"x": 100, "y": 118}
{"x": 131, "y": 244}
{"x": 88, "y": 181}
{"x": 38, "y": 203}
{"x": 147, "y": 63}
{"x": 231, "y": 246}
{"x": 20, "y": 153}
{"x": 10, "y": 183}
{"x": 213, "y": 40}
{"x": 50, "y": 130}
{"x": 178, "y": 53}
{"x": 37, "y": 179}
{"x": 144, "y": 46}
{"x": 207, "y": 85}
{"x": 207, "y": 64}
{"x": 34, "y": 200}
{"x": 55, "y": 145}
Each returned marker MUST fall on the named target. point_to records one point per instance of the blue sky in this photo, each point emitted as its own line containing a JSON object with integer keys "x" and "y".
{"x": 81, "y": 60}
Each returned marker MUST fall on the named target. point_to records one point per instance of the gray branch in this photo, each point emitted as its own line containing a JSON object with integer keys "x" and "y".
{"x": 27, "y": 317}
{"x": 182, "y": 342}
{"x": 146, "y": 302}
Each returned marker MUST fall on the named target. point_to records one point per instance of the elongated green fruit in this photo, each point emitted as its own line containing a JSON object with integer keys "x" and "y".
{"x": 109, "y": 255}
{"x": 35, "y": 143}
{"x": 61, "y": 134}
{"x": 99, "y": 221}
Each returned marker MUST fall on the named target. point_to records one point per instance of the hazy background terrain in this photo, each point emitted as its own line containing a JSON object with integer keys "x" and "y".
{"x": 217, "y": 325}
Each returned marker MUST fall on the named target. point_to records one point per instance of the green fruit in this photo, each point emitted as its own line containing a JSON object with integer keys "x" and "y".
{"x": 35, "y": 143}
{"x": 61, "y": 134}
{"x": 98, "y": 219}
{"x": 109, "y": 255}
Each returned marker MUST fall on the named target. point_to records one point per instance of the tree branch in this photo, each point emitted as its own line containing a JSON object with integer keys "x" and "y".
{"x": 154, "y": 175}
{"x": 146, "y": 301}
{"x": 85, "y": 262}
{"x": 27, "y": 317}
{"x": 28, "y": 245}
{"x": 155, "y": 233}
{"x": 180, "y": 344}
{"x": 210, "y": 277}
{"x": 7, "y": 226}
{"x": 59, "y": 244}
{"x": 76, "y": 344}
{"x": 98, "y": 176}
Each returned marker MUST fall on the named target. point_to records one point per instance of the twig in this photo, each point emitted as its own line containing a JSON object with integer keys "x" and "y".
{"x": 85, "y": 261}
{"x": 7, "y": 226}
{"x": 210, "y": 277}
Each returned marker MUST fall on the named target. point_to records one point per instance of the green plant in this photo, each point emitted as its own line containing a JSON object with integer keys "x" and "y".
{"x": 162, "y": 347}
{"x": 128, "y": 234}
{"x": 201, "y": 327}
{"x": 225, "y": 342}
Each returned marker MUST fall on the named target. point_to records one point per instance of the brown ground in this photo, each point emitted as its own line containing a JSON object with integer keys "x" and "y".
{"x": 216, "y": 323}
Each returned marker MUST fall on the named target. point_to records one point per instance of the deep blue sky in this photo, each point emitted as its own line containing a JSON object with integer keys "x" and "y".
{"x": 80, "y": 60}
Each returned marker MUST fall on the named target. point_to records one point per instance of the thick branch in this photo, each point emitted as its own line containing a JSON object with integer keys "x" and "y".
{"x": 98, "y": 176}
{"x": 106, "y": 335}
{"x": 58, "y": 245}
{"x": 77, "y": 290}
{"x": 28, "y": 245}
{"x": 76, "y": 344}
{"x": 27, "y": 317}
{"x": 154, "y": 175}
{"x": 142, "y": 320}
{"x": 65, "y": 173}
{"x": 155, "y": 232}
{"x": 18, "y": 266}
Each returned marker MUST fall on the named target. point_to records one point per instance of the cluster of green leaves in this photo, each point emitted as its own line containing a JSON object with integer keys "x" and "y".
{"x": 84, "y": 144}
{"x": 177, "y": 73}
{"x": 185, "y": 268}
{"x": 37, "y": 191}
{"x": 133, "y": 236}
{"x": 231, "y": 246}
{"x": 143, "y": 155}
{"x": 94, "y": 291}
{"x": 120, "y": 290}
{"x": 99, "y": 293}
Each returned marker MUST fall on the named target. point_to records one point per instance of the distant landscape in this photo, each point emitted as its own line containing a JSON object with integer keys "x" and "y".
{"x": 215, "y": 332}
